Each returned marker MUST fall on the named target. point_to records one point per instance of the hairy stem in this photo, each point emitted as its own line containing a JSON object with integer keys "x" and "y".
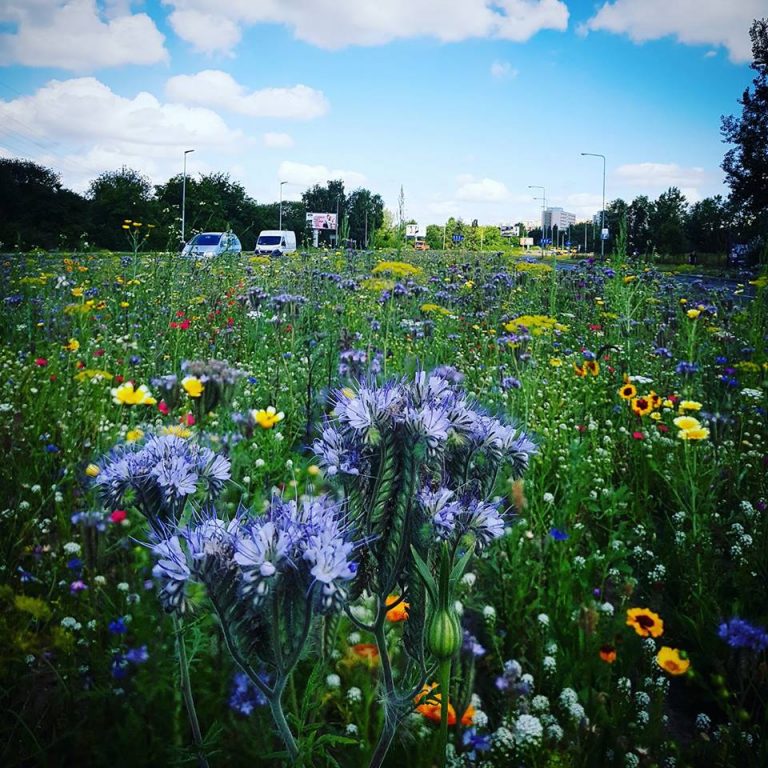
{"x": 186, "y": 690}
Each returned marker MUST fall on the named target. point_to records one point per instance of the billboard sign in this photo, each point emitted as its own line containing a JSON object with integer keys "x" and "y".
{"x": 604, "y": 233}
{"x": 457, "y": 238}
{"x": 322, "y": 220}
{"x": 527, "y": 241}
{"x": 508, "y": 230}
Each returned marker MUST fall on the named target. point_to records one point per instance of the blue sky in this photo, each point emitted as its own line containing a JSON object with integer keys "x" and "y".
{"x": 462, "y": 102}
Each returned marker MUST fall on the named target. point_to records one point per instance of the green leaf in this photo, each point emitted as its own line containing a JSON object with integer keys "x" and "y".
{"x": 458, "y": 569}
{"x": 426, "y": 576}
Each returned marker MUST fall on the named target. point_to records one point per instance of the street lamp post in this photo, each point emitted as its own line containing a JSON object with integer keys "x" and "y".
{"x": 337, "y": 219}
{"x": 602, "y": 210}
{"x": 280, "y": 226}
{"x": 543, "y": 206}
{"x": 184, "y": 195}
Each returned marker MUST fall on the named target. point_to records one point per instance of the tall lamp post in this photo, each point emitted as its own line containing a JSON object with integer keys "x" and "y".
{"x": 184, "y": 195}
{"x": 602, "y": 210}
{"x": 280, "y": 226}
{"x": 543, "y": 206}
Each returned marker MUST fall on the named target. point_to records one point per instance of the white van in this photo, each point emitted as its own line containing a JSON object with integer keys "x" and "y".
{"x": 271, "y": 240}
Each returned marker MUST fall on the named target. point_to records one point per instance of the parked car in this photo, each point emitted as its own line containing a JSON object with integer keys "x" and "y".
{"x": 206, "y": 245}
{"x": 271, "y": 240}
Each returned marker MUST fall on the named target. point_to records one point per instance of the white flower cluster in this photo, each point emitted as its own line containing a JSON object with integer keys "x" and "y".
{"x": 569, "y": 701}
{"x": 529, "y": 732}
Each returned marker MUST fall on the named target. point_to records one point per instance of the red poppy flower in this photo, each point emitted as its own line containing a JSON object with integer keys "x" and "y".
{"x": 41, "y": 362}
{"x": 118, "y": 516}
{"x": 162, "y": 406}
{"x": 119, "y": 379}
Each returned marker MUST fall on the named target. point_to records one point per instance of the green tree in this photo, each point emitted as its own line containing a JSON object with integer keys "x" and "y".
{"x": 746, "y": 162}
{"x": 117, "y": 196}
{"x": 708, "y": 225}
{"x": 36, "y": 209}
{"x": 639, "y": 225}
{"x": 365, "y": 214}
{"x": 667, "y": 222}
{"x": 434, "y": 237}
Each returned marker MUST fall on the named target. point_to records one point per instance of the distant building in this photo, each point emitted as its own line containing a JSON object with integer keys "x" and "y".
{"x": 557, "y": 217}
{"x": 598, "y": 218}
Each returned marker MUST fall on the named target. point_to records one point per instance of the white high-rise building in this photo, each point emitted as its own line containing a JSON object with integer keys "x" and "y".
{"x": 557, "y": 217}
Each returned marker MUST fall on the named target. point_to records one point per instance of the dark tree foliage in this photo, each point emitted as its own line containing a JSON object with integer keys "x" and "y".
{"x": 116, "y": 197}
{"x": 746, "y": 162}
{"x": 365, "y": 213}
{"x": 37, "y": 210}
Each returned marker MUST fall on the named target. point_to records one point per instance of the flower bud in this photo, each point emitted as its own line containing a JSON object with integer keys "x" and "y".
{"x": 444, "y": 634}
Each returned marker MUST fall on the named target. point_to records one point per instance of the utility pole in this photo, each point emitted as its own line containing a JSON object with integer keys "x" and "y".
{"x": 184, "y": 195}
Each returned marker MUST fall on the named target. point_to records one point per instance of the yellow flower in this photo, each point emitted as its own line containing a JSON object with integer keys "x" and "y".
{"x": 192, "y": 386}
{"x": 396, "y": 268}
{"x": 698, "y": 433}
{"x": 92, "y": 470}
{"x": 125, "y": 394}
{"x": 646, "y": 623}
{"x": 72, "y": 346}
{"x": 267, "y": 418}
{"x": 673, "y": 661}
{"x": 124, "y": 304}
{"x": 178, "y": 430}
{"x": 641, "y": 406}
{"x": 628, "y": 391}
{"x": 629, "y": 279}
{"x": 689, "y": 405}
{"x": 686, "y": 422}
{"x": 313, "y": 470}
{"x": 555, "y": 362}
{"x": 132, "y": 435}
{"x": 693, "y": 313}
{"x": 77, "y": 292}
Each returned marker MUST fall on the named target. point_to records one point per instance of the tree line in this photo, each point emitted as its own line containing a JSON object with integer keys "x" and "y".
{"x": 38, "y": 211}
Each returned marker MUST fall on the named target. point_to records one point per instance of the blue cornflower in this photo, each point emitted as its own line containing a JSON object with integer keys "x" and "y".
{"x": 558, "y": 535}
{"x": 475, "y": 742}
{"x": 684, "y": 368}
{"x": 720, "y": 360}
{"x": 739, "y": 633}
{"x": 51, "y": 448}
{"x": 118, "y": 626}
{"x": 137, "y": 655}
{"x": 245, "y": 696}
{"x": 75, "y": 564}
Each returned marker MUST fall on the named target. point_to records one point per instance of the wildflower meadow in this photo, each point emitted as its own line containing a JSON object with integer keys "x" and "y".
{"x": 377, "y": 508}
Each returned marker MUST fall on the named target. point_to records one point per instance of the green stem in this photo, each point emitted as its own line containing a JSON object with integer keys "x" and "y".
{"x": 444, "y": 679}
{"x": 186, "y": 690}
{"x": 276, "y": 707}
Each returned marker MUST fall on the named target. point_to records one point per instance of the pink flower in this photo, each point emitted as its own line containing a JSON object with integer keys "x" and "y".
{"x": 638, "y": 435}
{"x": 118, "y": 516}
{"x": 41, "y": 361}
{"x": 162, "y": 406}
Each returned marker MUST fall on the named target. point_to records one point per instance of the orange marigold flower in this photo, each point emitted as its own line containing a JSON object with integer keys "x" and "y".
{"x": 646, "y": 623}
{"x": 672, "y": 661}
{"x": 428, "y": 704}
{"x": 593, "y": 367}
{"x": 367, "y": 653}
{"x": 579, "y": 370}
{"x": 608, "y": 653}
{"x": 398, "y": 612}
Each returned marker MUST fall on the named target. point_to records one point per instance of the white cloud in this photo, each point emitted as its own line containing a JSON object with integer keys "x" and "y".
{"x": 714, "y": 22}
{"x": 483, "y": 191}
{"x": 502, "y": 70}
{"x": 342, "y": 23}
{"x": 207, "y": 32}
{"x": 308, "y": 175}
{"x": 215, "y": 88}
{"x": 660, "y": 175}
{"x": 73, "y": 35}
{"x": 84, "y": 128}
{"x": 277, "y": 140}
